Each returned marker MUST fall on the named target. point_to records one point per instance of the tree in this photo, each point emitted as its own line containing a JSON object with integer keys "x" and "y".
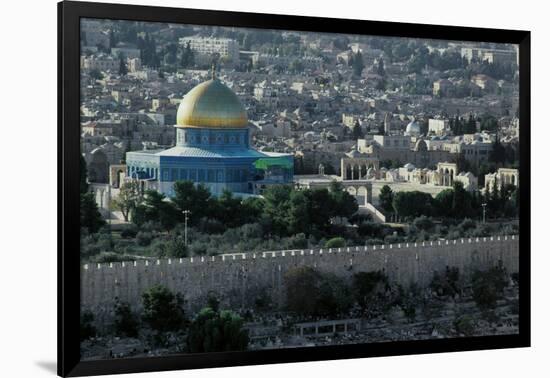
{"x": 321, "y": 208}
{"x": 444, "y": 203}
{"x": 122, "y": 68}
{"x": 299, "y": 221}
{"x": 357, "y": 132}
{"x": 470, "y": 127}
{"x": 126, "y": 322}
{"x": 488, "y": 286}
{"x": 334, "y": 297}
{"x": 216, "y": 331}
{"x": 357, "y": 64}
{"x": 196, "y": 199}
{"x": 423, "y": 223}
{"x": 90, "y": 217}
{"x": 127, "y": 199}
{"x": 369, "y": 289}
{"x": 87, "y": 329}
{"x": 489, "y": 123}
{"x": 447, "y": 283}
{"x": 412, "y": 204}
{"x": 462, "y": 201}
{"x": 112, "y": 38}
{"x": 83, "y": 175}
{"x": 187, "y": 56}
{"x": 308, "y": 292}
{"x": 96, "y": 74}
{"x": 230, "y": 210}
{"x": 498, "y": 154}
{"x": 162, "y": 310}
{"x": 176, "y": 247}
{"x": 157, "y": 208}
{"x": 344, "y": 204}
{"x": 386, "y": 199}
{"x": 277, "y": 207}
{"x": 296, "y": 66}
{"x": 302, "y": 285}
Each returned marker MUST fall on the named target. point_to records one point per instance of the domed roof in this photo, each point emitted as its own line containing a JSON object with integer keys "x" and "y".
{"x": 211, "y": 105}
{"x": 412, "y": 128}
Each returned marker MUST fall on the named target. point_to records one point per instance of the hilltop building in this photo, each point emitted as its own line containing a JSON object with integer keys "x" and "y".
{"x": 212, "y": 148}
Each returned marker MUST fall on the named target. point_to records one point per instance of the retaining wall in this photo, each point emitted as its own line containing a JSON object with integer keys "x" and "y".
{"x": 238, "y": 279}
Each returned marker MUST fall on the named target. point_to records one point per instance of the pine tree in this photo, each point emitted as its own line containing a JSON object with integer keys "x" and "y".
{"x": 123, "y": 69}
{"x": 357, "y": 64}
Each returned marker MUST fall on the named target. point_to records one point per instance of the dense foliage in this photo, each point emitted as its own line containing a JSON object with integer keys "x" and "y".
{"x": 162, "y": 309}
{"x": 213, "y": 330}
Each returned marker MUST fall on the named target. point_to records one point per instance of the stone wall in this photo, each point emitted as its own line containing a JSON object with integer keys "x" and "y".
{"x": 239, "y": 279}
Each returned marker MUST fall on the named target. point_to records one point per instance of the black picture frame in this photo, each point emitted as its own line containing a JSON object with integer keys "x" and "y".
{"x": 69, "y": 14}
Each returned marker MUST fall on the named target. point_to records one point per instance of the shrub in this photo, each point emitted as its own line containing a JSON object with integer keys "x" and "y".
{"x": 488, "y": 287}
{"x": 467, "y": 225}
{"x": 464, "y": 325}
{"x": 298, "y": 241}
{"x": 87, "y": 329}
{"x": 109, "y": 257}
{"x": 199, "y": 249}
{"x": 151, "y": 227}
{"x": 369, "y": 289}
{"x": 308, "y": 292}
{"x": 216, "y": 331}
{"x": 129, "y": 232}
{"x": 423, "y": 223}
{"x": 447, "y": 283}
{"x": 176, "y": 247}
{"x": 337, "y": 242}
{"x": 162, "y": 310}
{"x": 158, "y": 248}
{"x": 126, "y": 322}
{"x": 105, "y": 242}
{"x": 144, "y": 238}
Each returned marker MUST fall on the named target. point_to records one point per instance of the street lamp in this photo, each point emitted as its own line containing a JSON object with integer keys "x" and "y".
{"x": 186, "y": 215}
{"x": 484, "y": 206}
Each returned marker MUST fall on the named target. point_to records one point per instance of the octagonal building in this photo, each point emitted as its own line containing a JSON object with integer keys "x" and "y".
{"x": 212, "y": 148}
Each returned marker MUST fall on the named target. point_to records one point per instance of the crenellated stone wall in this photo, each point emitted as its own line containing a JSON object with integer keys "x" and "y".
{"x": 238, "y": 279}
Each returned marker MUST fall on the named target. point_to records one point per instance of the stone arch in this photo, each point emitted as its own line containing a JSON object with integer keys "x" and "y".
{"x": 347, "y": 172}
{"x": 352, "y": 190}
{"x": 363, "y": 171}
{"x": 362, "y": 195}
{"x": 356, "y": 172}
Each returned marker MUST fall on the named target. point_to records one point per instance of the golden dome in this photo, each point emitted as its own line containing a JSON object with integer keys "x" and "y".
{"x": 211, "y": 105}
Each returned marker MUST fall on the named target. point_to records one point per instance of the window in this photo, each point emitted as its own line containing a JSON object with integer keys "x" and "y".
{"x": 201, "y": 175}
{"x": 211, "y": 175}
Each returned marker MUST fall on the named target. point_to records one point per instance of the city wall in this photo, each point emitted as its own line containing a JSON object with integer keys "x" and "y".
{"x": 239, "y": 279}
